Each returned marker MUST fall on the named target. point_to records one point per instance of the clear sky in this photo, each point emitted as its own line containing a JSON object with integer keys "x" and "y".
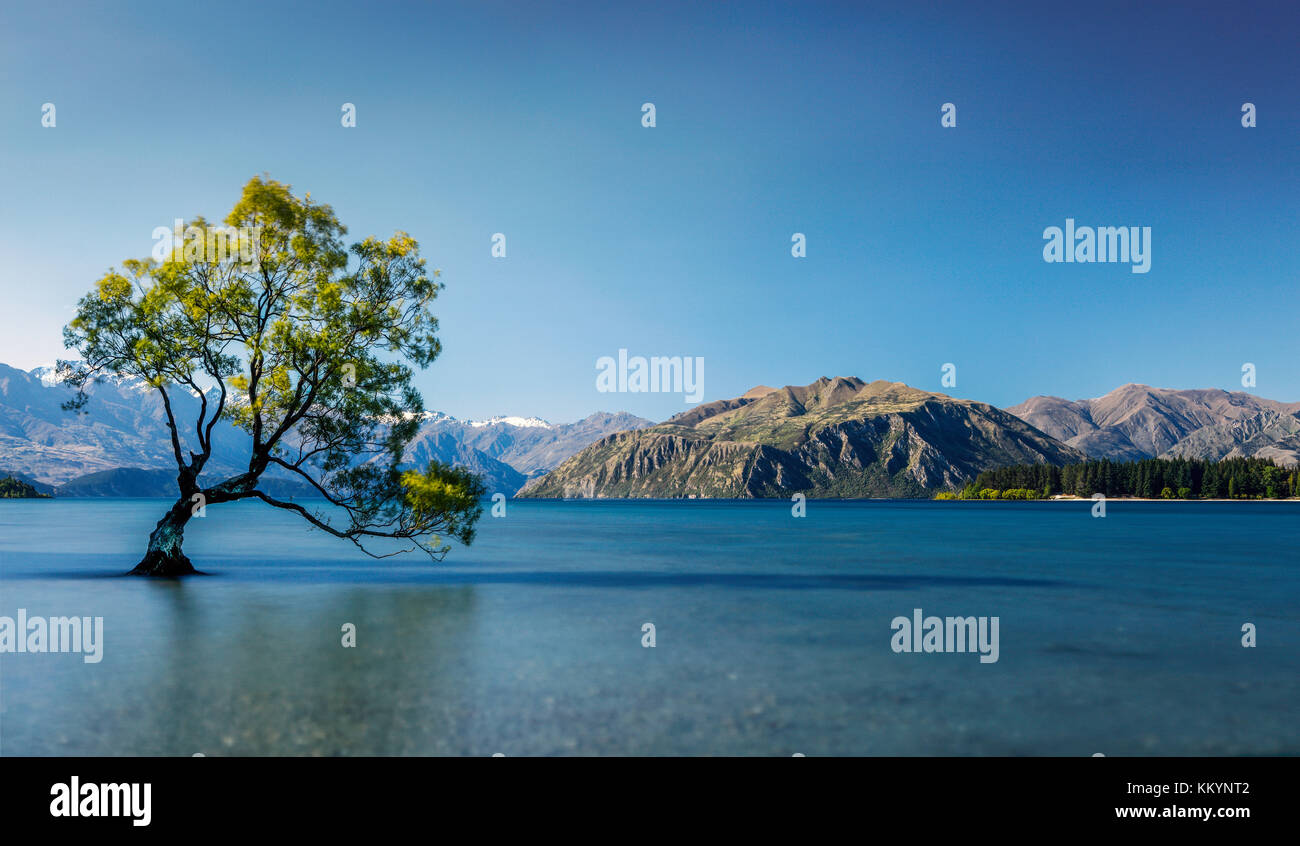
{"x": 924, "y": 243}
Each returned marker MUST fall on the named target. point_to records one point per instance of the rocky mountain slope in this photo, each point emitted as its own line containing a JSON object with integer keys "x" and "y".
{"x": 1138, "y": 421}
{"x": 1269, "y": 434}
{"x": 834, "y": 438}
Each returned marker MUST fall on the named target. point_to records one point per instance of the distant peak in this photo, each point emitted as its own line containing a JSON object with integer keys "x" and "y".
{"x": 757, "y": 391}
{"x": 522, "y": 422}
{"x": 47, "y": 374}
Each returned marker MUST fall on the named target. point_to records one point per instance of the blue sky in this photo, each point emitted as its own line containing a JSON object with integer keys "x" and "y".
{"x": 924, "y": 243}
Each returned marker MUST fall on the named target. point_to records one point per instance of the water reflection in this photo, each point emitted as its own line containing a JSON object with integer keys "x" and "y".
{"x": 194, "y": 668}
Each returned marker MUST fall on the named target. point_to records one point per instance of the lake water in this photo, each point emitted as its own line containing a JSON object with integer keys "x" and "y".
{"x": 1119, "y": 635}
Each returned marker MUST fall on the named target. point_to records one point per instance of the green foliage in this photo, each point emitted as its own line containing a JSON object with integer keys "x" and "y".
{"x": 305, "y": 346}
{"x": 11, "y": 488}
{"x": 1181, "y": 478}
{"x": 970, "y": 492}
{"x": 453, "y": 495}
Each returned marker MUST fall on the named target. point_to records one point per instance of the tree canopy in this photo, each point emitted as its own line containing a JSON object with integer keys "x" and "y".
{"x": 301, "y": 342}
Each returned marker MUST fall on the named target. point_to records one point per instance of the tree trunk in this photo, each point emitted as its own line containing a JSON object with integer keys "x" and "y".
{"x": 164, "y": 557}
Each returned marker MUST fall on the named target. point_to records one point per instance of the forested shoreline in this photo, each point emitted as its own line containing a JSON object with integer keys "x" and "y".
{"x": 1152, "y": 478}
{"x": 11, "y": 488}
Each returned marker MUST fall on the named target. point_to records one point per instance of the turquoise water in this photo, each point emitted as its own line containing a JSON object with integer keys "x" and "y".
{"x": 1119, "y": 635}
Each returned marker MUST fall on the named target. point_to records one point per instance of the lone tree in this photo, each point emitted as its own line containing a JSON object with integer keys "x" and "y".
{"x": 302, "y": 346}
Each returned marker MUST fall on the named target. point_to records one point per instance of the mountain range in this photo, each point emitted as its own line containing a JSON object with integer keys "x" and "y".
{"x": 846, "y": 437}
{"x": 120, "y": 446}
{"x": 1138, "y": 421}
{"x": 840, "y": 437}
{"x": 834, "y": 437}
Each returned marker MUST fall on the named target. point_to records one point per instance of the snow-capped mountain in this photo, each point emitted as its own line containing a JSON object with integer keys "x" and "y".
{"x": 521, "y": 422}
{"x": 509, "y": 450}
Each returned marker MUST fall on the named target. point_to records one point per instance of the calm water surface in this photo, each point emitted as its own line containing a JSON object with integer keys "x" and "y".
{"x": 1119, "y": 635}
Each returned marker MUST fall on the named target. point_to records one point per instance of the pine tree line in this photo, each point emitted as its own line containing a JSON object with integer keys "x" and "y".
{"x": 11, "y": 488}
{"x": 1151, "y": 478}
